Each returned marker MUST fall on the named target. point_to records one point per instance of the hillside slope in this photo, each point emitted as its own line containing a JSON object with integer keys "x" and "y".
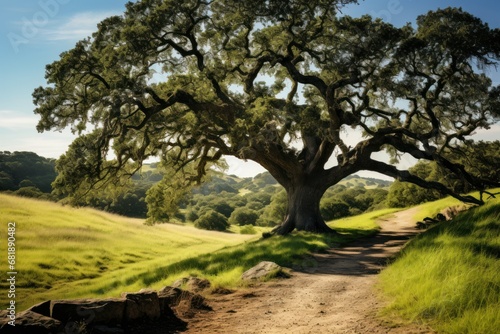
{"x": 64, "y": 252}
{"x": 449, "y": 277}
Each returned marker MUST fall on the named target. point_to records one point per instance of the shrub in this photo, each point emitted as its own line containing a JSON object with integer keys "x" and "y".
{"x": 243, "y": 216}
{"x": 32, "y": 192}
{"x": 332, "y": 209}
{"x": 248, "y": 229}
{"x": 212, "y": 220}
{"x": 192, "y": 215}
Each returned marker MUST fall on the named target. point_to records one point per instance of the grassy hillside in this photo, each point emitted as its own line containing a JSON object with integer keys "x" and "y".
{"x": 449, "y": 277}
{"x": 64, "y": 252}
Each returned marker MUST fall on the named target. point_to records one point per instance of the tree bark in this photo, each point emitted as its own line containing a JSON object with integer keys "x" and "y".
{"x": 303, "y": 211}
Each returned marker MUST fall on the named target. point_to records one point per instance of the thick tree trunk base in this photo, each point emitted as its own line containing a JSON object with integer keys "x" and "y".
{"x": 308, "y": 222}
{"x": 303, "y": 212}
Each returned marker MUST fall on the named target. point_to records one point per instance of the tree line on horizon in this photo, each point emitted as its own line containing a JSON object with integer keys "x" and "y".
{"x": 228, "y": 199}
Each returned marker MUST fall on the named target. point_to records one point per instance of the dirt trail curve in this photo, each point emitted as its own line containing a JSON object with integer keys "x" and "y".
{"x": 336, "y": 296}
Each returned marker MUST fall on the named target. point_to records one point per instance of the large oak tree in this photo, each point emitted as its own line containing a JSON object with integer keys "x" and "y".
{"x": 276, "y": 82}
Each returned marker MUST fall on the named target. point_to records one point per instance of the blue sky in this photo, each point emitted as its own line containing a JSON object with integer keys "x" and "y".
{"x": 34, "y": 32}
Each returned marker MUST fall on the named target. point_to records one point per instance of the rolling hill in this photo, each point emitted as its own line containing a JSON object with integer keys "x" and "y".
{"x": 66, "y": 252}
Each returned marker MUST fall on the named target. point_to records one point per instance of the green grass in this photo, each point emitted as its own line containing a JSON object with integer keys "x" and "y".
{"x": 448, "y": 277}
{"x": 361, "y": 225}
{"x": 63, "y": 252}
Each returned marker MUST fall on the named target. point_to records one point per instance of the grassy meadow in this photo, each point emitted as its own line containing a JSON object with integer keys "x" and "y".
{"x": 64, "y": 252}
{"x": 448, "y": 277}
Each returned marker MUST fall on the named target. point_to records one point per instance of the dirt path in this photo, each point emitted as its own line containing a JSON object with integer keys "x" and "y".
{"x": 335, "y": 296}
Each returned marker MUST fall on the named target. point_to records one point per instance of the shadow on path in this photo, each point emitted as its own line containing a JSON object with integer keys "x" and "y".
{"x": 362, "y": 257}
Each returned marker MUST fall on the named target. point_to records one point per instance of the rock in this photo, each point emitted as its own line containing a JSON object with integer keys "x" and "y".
{"x": 194, "y": 284}
{"x": 89, "y": 311}
{"x": 421, "y": 226}
{"x": 29, "y": 322}
{"x": 198, "y": 302}
{"x": 184, "y": 303}
{"x": 452, "y": 211}
{"x": 190, "y": 304}
{"x": 169, "y": 296}
{"x": 261, "y": 270}
{"x": 42, "y": 308}
{"x": 141, "y": 306}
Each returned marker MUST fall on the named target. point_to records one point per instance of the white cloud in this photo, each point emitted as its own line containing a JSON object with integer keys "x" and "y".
{"x": 491, "y": 134}
{"x": 48, "y": 144}
{"x": 14, "y": 121}
{"x": 76, "y": 27}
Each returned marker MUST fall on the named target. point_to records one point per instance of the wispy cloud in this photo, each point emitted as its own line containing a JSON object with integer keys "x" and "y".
{"x": 18, "y": 133}
{"x": 76, "y": 27}
{"x": 12, "y": 120}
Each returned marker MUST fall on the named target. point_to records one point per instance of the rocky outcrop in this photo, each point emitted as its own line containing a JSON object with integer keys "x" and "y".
{"x": 141, "y": 306}
{"x": 89, "y": 311}
{"x": 29, "y": 322}
{"x": 185, "y": 303}
{"x": 146, "y": 311}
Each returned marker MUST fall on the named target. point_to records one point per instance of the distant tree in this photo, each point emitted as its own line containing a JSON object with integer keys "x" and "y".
{"x": 262, "y": 195}
{"x": 223, "y": 208}
{"x": 163, "y": 197}
{"x": 404, "y": 194}
{"x": 26, "y": 183}
{"x": 243, "y": 216}
{"x": 26, "y": 169}
{"x": 212, "y": 220}
{"x": 131, "y": 204}
{"x": 333, "y": 209}
{"x": 275, "y": 82}
{"x": 215, "y": 185}
{"x": 6, "y": 182}
{"x": 192, "y": 215}
{"x": 275, "y": 211}
{"x": 32, "y": 192}
{"x": 254, "y": 205}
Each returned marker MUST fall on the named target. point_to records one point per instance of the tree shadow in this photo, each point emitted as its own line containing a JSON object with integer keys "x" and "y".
{"x": 366, "y": 256}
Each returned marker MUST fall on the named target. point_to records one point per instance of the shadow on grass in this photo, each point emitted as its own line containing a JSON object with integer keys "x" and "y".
{"x": 291, "y": 251}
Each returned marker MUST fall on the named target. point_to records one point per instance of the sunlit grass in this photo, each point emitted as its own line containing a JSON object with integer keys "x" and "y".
{"x": 362, "y": 225}
{"x": 63, "y": 252}
{"x": 449, "y": 276}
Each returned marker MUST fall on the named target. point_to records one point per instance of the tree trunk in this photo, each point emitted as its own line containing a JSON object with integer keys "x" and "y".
{"x": 303, "y": 211}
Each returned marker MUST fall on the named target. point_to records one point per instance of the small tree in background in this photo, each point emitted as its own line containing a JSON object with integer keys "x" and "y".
{"x": 213, "y": 221}
{"x": 243, "y": 216}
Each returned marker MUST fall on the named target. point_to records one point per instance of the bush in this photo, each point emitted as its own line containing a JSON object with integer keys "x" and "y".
{"x": 276, "y": 211}
{"x": 32, "y": 192}
{"x": 243, "y": 216}
{"x": 332, "y": 209}
{"x": 192, "y": 215}
{"x": 212, "y": 221}
{"x": 248, "y": 229}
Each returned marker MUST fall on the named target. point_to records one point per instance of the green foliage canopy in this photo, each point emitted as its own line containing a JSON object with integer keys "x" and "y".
{"x": 212, "y": 221}
{"x": 26, "y": 169}
{"x": 274, "y": 82}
